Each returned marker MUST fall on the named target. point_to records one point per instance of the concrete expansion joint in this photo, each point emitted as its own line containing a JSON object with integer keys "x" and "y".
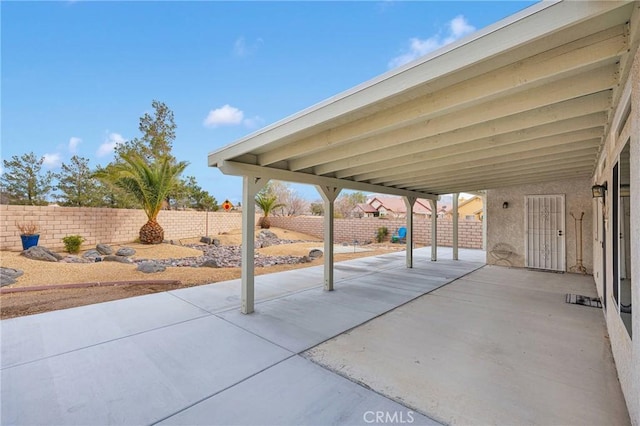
{"x": 220, "y": 391}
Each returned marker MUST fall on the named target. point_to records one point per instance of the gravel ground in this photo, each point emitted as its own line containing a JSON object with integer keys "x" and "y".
{"x": 275, "y": 258}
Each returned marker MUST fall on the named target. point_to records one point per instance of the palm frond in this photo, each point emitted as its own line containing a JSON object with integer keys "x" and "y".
{"x": 149, "y": 183}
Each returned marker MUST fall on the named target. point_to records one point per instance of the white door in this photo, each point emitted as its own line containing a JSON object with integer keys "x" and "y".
{"x": 545, "y": 230}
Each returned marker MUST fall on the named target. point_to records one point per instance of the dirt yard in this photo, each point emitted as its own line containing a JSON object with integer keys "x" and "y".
{"x": 39, "y": 273}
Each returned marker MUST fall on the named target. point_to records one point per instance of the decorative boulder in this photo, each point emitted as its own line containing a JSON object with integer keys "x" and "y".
{"x": 206, "y": 240}
{"x": 266, "y": 238}
{"x": 216, "y": 242}
{"x": 151, "y": 267}
{"x": 41, "y": 253}
{"x": 267, "y": 234}
{"x": 121, "y": 259}
{"x": 76, "y": 259}
{"x": 9, "y": 275}
{"x": 210, "y": 263}
{"x": 315, "y": 253}
{"x": 104, "y": 249}
{"x": 125, "y": 251}
{"x": 92, "y": 255}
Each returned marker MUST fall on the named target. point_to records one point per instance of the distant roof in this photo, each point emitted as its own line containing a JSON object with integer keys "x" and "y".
{"x": 367, "y": 208}
{"x": 396, "y": 205}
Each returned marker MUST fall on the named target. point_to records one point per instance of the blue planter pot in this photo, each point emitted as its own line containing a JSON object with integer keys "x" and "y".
{"x": 29, "y": 241}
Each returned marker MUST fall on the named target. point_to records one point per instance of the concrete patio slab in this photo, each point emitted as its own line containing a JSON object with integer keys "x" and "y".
{"x": 304, "y": 319}
{"x": 34, "y": 337}
{"x": 499, "y": 346}
{"x": 297, "y": 392}
{"x": 135, "y": 380}
{"x": 144, "y": 359}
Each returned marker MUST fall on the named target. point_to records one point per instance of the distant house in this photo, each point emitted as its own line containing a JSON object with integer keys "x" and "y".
{"x": 471, "y": 209}
{"x": 365, "y": 210}
{"x": 394, "y": 207}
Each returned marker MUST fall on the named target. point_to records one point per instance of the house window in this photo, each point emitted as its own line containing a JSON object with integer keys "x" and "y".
{"x": 469, "y": 217}
{"x": 621, "y": 226}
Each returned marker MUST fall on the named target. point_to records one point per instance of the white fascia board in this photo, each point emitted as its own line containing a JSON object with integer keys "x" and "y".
{"x": 534, "y": 22}
{"x": 241, "y": 169}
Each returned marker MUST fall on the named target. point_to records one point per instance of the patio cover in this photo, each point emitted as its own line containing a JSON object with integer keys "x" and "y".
{"x": 528, "y": 99}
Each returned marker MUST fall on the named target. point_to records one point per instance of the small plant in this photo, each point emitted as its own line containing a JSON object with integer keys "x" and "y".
{"x": 29, "y": 228}
{"x": 72, "y": 243}
{"x": 381, "y": 233}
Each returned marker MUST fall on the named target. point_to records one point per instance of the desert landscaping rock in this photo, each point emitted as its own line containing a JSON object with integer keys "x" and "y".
{"x": 315, "y": 253}
{"x": 41, "y": 253}
{"x": 210, "y": 263}
{"x": 121, "y": 259}
{"x": 266, "y": 238}
{"x": 92, "y": 255}
{"x": 206, "y": 240}
{"x": 125, "y": 251}
{"x": 151, "y": 267}
{"x": 226, "y": 257}
{"x": 216, "y": 242}
{"x": 9, "y": 276}
{"x": 104, "y": 249}
{"x": 76, "y": 259}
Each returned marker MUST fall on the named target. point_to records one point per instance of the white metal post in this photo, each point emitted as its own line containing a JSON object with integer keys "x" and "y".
{"x": 434, "y": 230}
{"x": 250, "y": 187}
{"x": 409, "y": 202}
{"x": 484, "y": 221}
{"x": 329, "y": 195}
{"x": 455, "y": 225}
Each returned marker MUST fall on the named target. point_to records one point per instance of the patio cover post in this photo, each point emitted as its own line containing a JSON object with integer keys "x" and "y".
{"x": 329, "y": 195}
{"x": 409, "y": 201}
{"x": 434, "y": 230}
{"x": 484, "y": 221}
{"x": 454, "y": 209}
{"x": 250, "y": 187}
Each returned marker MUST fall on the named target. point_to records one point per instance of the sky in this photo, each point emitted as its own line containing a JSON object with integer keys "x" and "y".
{"x": 76, "y": 76}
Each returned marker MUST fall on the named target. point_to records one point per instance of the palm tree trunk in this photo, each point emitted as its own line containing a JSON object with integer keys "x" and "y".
{"x": 151, "y": 233}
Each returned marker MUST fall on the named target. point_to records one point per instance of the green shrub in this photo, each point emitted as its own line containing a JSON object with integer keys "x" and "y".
{"x": 73, "y": 242}
{"x": 381, "y": 234}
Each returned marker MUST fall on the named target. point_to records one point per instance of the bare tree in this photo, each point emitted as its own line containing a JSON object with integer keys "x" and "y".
{"x": 292, "y": 203}
{"x": 346, "y": 203}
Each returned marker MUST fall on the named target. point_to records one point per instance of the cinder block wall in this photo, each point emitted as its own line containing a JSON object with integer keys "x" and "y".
{"x": 104, "y": 225}
{"x": 349, "y": 230}
{"x": 111, "y": 226}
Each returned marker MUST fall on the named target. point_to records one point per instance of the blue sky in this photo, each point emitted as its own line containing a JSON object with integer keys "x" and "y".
{"x": 77, "y": 75}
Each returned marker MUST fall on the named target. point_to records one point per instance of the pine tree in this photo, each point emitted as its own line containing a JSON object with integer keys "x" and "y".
{"x": 77, "y": 186}
{"x": 24, "y": 182}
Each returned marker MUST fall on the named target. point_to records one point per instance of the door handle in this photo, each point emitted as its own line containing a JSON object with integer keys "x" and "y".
{"x": 559, "y": 232}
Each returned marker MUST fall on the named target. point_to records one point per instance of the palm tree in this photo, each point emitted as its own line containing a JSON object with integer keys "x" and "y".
{"x": 267, "y": 203}
{"x": 148, "y": 183}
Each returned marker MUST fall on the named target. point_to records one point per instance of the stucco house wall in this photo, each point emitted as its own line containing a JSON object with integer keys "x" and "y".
{"x": 506, "y": 226}
{"x": 626, "y": 351}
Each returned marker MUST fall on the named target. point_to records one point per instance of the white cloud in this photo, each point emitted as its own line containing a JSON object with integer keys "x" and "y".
{"x": 73, "y": 144}
{"x": 459, "y": 27}
{"x": 241, "y": 48}
{"x": 224, "y": 116}
{"x": 456, "y": 28}
{"x": 254, "y": 122}
{"x": 107, "y": 147}
{"x": 51, "y": 161}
